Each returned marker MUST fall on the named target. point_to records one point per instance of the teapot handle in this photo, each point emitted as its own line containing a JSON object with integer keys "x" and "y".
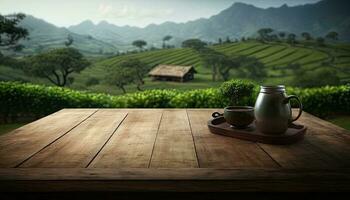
{"x": 216, "y": 114}
{"x": 300, "y": 106}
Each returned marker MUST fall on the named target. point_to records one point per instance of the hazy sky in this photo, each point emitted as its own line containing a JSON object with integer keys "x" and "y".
{"x": 128, "y": 12}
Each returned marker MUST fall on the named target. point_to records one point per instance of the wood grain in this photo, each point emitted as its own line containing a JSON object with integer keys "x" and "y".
{"x": 321, "y": 148}
{"x": 22, "y": 143}
{"x": 216, "y": 151}
{"x": 132, "y": 144}
{"x": 174, "y": 145}
{"x": 166, "y": 150}
{"x": 179, "y": 180}
{"x": 78, "y": 147}
{"x": 322, "y": 127}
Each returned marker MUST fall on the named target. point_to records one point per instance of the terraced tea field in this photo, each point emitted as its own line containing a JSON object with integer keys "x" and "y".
{"x": 275, "y": 56}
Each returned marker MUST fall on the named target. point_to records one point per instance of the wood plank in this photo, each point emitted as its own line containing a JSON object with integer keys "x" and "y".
{"x": 174, "y": 147}
{"x": 78, "y": 147}
{"x": 322, "y": 127}
{"x": 24, "y": 142}
{"x": 181, "y": 180}
{"x": 325, "y": 146}
{"x": 132, "y": 144}
{"x": 216, "y": 151}
{"x": 319, "y": 149}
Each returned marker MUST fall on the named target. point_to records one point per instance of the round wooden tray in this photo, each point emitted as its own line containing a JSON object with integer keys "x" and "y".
{"x": 293, "y": 134}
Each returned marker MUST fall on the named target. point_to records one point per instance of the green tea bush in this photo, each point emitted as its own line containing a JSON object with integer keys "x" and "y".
{"x": 324, "y": 101}
{"x": 23, "y": 99}
{"x": 150, "y": 99}
{"x": 201, "y": 98}
{"x": 238, "y": 92}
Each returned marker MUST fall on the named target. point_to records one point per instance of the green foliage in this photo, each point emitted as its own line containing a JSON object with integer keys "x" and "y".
{"x": 127, "y": 72}
{"x": 37, "y": 100}
{"x": 195, "y": 44}
{"x": 10, "y": 33}
{"x": 274, "y": 56}
{"x": 264, "y": 33}
{"x": 320, "y": 41}
{"x": 139, "y": 43}
{"x": 332, "y": 35}
{"x": 165, "y": 39}
{"x": 69, "y": 41}
{"x": 92, "y": 81}
{"x": 306, "y": 35}
{"x": 324, "y": 101}
{"x": 56, "y": 65}
{"x": 291, "y": 39}
{"x": 316, "y": 78}
{"x": 200, "y": 98}
{"x": 237, "y": 92}
{"x": 150, "y": 99}
{"x": 120, "y": 77}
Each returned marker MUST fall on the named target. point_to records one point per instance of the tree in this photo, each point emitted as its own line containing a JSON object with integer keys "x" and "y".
{"x": 219, "y": 63}
{"x": 332, "y": 36}
{"x": 304, "y": 78}
{"x": 228, "y": 40}
{"x": 165, "y": 39}
{"x": 10, "y": 33}
{"x": 220, "y": 41}
{"x": 210, "y": 60}
{"x": 120, "y": 77}
{"x": 127, "y": 72}
{"x": 69, "y": 41}
{"x": 139, "y": 69}
{"x": 18, "y": 47}
{"x": 254, "y": 68}
{"x": 320, "y": 41}
{"x": 264, "y": 33}
{"x": 282, "y": 35}
{"x": 306, "y": 36}
{"x": 195, "y": 44}
{"x": 273, "y": 37}
{"x": 291, "y": 38}
{"x": 139, "y": 43}
{"x": 56, "y": 65}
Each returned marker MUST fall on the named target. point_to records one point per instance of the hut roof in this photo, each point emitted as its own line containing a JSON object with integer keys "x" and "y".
{"x": 170, "y": 70}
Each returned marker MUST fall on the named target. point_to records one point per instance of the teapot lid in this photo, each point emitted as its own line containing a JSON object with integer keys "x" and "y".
{"x": 272, "y": 88}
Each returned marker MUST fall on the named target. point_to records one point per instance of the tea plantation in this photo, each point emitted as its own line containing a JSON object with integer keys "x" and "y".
{"x": 277, "y": 58}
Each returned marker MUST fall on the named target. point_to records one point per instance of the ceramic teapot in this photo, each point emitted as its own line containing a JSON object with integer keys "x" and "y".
{"x": 272, "y": 111}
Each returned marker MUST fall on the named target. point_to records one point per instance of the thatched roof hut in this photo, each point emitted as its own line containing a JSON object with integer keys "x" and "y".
{"x": 172, "y": 73}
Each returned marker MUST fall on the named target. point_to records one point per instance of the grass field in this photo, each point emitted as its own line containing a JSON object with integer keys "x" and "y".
{"x": 275, "y": 56}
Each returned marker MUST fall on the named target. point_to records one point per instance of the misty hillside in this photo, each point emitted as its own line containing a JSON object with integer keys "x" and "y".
{"x": 236, "y": 21}
{"x": 43, "y": 35}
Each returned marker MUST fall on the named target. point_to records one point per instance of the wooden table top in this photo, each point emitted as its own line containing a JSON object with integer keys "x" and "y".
{"x": 166, "y": 150}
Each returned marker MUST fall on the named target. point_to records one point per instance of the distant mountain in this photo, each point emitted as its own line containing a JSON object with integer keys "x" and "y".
{"x": 236, "y": 21}
{"x": 43, "y": 36}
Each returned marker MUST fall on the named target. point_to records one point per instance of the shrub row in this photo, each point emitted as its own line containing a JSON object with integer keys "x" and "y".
{"x": 21, "y": 99}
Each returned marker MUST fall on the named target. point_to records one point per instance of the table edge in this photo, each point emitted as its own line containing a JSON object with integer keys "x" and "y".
{"x": 166, "y": 179}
